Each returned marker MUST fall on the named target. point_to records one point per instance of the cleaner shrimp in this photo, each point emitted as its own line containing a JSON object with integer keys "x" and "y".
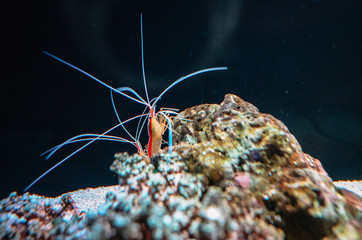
{"x": 158, "y": 122}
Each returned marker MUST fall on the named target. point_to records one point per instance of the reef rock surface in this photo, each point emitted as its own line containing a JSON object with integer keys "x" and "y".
{"x": 234, "y": 173}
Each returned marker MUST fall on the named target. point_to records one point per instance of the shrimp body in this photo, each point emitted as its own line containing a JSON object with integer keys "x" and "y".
{"x": 155, "y": 132}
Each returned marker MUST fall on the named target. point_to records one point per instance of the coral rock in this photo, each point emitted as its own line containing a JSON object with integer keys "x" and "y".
{"x": 234, "y": 173}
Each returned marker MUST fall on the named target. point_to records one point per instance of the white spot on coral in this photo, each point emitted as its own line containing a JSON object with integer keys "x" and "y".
{"x": 213, "y": 213}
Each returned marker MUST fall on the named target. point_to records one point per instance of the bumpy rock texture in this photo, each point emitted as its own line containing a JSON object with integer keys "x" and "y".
{"x": 234, "y": 173}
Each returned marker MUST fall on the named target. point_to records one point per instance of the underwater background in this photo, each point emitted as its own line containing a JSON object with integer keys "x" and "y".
{"x": 297, "y": 60}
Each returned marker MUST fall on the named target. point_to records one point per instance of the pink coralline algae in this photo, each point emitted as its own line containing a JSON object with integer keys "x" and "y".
{"x": 234, "y": 173}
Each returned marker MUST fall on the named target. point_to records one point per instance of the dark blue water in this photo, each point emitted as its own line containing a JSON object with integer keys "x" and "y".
{"x": 297, "y": 60}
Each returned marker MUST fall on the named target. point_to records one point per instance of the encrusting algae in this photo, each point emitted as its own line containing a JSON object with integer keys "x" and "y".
{"x": 234, "y": 173}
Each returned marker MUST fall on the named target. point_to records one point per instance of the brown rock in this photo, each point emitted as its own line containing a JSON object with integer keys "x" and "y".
{"x": 234, "y": 173}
